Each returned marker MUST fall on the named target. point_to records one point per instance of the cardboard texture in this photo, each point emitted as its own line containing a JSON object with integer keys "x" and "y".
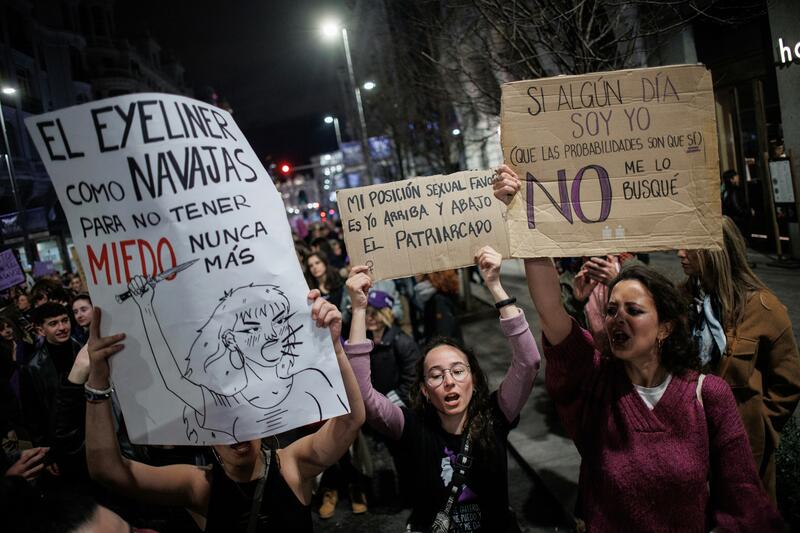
{"x": 423, "y": 224}
{"x": 612, "y": 162}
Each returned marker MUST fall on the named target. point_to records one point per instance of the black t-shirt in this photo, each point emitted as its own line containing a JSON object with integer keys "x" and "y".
{"x": 230, "y": 503}
{"x": 483, "y": 503}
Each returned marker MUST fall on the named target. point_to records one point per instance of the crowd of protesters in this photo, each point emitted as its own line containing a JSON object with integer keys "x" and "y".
{"x": 674, "y": 396}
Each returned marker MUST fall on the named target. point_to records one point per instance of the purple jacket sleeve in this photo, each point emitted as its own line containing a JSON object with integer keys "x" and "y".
{"x": 570, "y": 374}
{"x": 738, "y": 502}
{"x": 525, "y": 360}
{"x": 382, "y": 414}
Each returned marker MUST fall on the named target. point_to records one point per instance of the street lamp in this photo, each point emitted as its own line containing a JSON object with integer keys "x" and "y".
{"x": 30, "y": 253}
{"x": 335, "y": 121}
{"x": 329, "y": 30}
{"x": 369, "y": 85}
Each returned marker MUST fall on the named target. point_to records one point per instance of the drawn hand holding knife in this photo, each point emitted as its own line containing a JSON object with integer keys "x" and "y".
{"x": 142, "y": 284}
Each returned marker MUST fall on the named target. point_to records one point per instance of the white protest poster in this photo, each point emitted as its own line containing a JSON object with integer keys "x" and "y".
{"x": 186, "y": 248}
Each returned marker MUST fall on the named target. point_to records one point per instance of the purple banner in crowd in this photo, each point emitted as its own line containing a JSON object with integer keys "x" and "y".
{"x": 10, "y": 271}
{"x": 43, "y": 268}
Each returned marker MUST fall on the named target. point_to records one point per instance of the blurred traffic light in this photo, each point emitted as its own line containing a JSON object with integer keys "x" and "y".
{"x": 285, "y": 168}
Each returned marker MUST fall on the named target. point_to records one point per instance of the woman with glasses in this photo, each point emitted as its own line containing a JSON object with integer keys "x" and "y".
{"x": 455, "y": 432}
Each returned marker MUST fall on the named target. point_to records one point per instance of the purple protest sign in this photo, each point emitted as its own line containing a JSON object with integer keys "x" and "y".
{"x": 10, "y": 272}
{"x": 42, "y": 268}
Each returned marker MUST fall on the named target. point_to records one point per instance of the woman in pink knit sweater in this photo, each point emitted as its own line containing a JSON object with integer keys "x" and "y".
{"x": 452, "y": 404}
{"x": 661, "y": 448}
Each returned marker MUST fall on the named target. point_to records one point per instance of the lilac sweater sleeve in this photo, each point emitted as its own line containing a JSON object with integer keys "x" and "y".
{"x": 382, "y": 414}
{"x": 525, "y": 360}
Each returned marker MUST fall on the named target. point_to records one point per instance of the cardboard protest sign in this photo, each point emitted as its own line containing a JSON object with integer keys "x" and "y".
{"x": 187, "y": 249}
{"x": 76, "y": 263}
{"x": 422, "y": 225}
{"x": 613, "y": 162}
{"x": 10, "y": 272}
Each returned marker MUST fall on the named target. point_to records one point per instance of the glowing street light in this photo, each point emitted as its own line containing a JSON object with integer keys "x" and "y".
{"x": 8, "y": 90}
{"x": 368, "y": 86}
{"x": 329, "y": 29}
{"x": 335, "y": 121}
{"x": 456, "y": 132}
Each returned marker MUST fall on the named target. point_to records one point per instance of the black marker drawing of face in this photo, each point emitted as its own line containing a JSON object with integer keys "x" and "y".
{"x": 257, "y": 336}
{"x": 248, "y": 345}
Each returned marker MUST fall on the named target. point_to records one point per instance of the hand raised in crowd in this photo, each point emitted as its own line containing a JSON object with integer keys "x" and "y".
{"x": 358, "y": 285}
{"x": 488, "y": 261}
{"x": 582, "y": 286}
{"x": 29, "y": 465}
{"x": 325, "y": 315}
{"x": 80, "y": 368}
{"x": 601, "y": 270}
{"x": 506, "y": 184}
{"x": 100, "y": 349}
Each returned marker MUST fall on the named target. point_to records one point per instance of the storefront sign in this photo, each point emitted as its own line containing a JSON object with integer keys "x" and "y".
{"x": 788, "y": 53}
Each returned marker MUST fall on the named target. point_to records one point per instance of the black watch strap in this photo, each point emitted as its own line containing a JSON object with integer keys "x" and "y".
{"x": 503, "y": 303}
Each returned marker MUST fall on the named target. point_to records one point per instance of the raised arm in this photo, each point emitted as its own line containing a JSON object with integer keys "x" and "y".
{"x": 143, "y": 293}
{"x": 316, "y": 452}
{"x": 180, "y": 485}
{"x": 382, "y": 414}
{"x": 541, "y": 273}
{"x": 525, "y": 358}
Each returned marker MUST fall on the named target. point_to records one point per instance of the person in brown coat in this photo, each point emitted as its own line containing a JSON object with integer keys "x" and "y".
{"x": 745, "y": 337}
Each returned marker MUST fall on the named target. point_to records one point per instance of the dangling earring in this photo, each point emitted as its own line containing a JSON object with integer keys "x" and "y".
{"x": 660, "y": 344}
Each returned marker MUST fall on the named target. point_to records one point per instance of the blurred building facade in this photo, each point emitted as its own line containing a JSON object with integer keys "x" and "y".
{"x": 57, "y": 54}
{"x": 428, "y": 83}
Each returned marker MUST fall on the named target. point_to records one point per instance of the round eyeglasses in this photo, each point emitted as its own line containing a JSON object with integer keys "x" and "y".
{"x": 435, "y": 377}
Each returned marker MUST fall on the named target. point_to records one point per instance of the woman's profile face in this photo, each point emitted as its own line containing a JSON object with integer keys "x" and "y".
{"x": 316, "y": 267}
{"x": 82, "y": 310}
{"x": 690, "y": 262}
{"x": 6, "y": 331}
{"x": 631, "y": 321}
{"x": 75, "y": 284}
{"x": 374, "y": 324}
{"x": 23, "y": 303}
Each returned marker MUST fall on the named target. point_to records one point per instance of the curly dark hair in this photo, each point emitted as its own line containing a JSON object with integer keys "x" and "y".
{"x": 679, "y": 351}
{"x": 479, "y": 420}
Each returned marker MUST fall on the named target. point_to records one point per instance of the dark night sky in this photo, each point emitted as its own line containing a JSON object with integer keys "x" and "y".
{"x": 265, "y": 57}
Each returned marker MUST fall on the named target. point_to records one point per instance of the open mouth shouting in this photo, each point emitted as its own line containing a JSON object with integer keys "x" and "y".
{"x": 241, "y": 448}
{"x": 451, "y": 399}
{"x": 619, "y": 339}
